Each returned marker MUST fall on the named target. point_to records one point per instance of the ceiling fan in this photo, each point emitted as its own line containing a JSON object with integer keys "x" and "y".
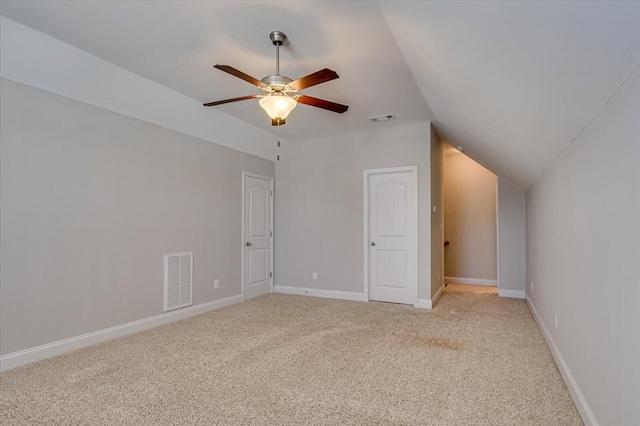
{"x": 279, "y": 93}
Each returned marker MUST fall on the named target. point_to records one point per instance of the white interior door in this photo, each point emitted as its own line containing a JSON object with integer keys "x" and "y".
{"x": 257, "y": 234}
{"x": 392, "y": 236}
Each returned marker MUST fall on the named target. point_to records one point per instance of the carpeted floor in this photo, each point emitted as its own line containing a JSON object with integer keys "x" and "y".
{"x": 476, "y": 359}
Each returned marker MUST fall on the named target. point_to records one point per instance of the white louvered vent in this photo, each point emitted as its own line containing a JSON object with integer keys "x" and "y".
{"x": 178, "y": 281}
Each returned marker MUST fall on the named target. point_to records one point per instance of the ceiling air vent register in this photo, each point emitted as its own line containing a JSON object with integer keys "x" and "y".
{"x": 380, "y": 118}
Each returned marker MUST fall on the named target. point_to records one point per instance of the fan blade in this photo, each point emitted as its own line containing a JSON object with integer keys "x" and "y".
{"x": 226, "y": 101}
{"x": 321, "y": 103}
{"x": 317, "y": 77}
{"x": 236, "y": 73}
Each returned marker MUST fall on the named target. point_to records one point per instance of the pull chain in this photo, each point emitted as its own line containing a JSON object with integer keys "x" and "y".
{"x": 278, "y": 132}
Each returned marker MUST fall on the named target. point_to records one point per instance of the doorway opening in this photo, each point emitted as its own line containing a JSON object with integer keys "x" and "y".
{"x": 470, "y": 221}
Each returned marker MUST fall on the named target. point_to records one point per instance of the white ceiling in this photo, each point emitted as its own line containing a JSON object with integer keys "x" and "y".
{"x": 512, "y": 82}
{"x": 515, "y": 82}
{"x": 176, "y": 43}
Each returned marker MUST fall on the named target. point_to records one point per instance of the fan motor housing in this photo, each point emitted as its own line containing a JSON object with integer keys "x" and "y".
{"x": 276, "y": 82}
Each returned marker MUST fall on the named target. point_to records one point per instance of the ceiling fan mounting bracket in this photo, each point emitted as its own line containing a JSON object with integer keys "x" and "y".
{"x": 277, "y": 38}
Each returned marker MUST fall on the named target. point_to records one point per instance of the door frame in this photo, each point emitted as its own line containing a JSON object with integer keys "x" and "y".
{"x": 270, "y": 179}
{"x": 366, "y": 173}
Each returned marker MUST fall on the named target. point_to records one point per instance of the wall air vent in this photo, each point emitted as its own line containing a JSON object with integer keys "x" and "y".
{"x": 382, "y": 118}
{"x": 178, "y": 280}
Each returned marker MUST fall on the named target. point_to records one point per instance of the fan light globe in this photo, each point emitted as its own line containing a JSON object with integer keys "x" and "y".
{"x": 278, "y": 106}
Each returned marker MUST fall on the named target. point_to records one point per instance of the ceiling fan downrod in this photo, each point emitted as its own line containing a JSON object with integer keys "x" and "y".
{"x": 277, "y": 38}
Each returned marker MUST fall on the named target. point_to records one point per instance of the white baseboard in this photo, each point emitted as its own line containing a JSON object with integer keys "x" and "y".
{"x": 329, "y": 294}
{"x": 38, "y": 353}
{"x": 516, "y": 294}
{"x": 471, "y": 281}
{"x": 424, "y": 304}
{"x": 578, "y": 398}
{"x": 435, "y": 298}
{"x": 430, "y": 303}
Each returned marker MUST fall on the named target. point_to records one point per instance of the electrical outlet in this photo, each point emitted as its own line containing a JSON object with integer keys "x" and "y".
{"x": 216, "y": 284}
{"x": 314, "y": 275}
{"x": 438, "y": 276}
{"x": 531, "y": 285}
{"x": 555, "y": 319}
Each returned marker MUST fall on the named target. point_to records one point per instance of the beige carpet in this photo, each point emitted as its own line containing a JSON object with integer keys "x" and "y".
{"x": 476, "y": 359}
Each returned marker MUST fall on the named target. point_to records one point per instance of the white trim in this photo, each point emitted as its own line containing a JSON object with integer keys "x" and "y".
{"x": 27, "y": 356}
{"x": 366, "y": 174}
{"x": 436, "y": 297}
{"x": 424, "y": 304}
{"x": 578, "y": 398}
{"x": 365, "y": 225}
{"x": 516, "y": 294}
{"x": 498, "y": 232}
{"x": 315, "y": 292}
{"x": 269, "y": 179}
{"x": 271, "y": 271}
{"x": 430, "y": 303}
{"x": 471, "y": 281}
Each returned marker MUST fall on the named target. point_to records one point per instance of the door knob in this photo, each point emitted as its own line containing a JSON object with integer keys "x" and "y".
{"x": 373, "y": 243}
{"x": 247, "y": 243}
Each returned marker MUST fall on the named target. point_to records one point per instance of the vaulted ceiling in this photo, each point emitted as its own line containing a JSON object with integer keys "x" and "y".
{"x": 512, "y": 82}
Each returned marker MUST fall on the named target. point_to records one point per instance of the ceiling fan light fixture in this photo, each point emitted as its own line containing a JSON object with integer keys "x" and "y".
{"x": 278, "y": 106}
{"x": 279, "y": 96}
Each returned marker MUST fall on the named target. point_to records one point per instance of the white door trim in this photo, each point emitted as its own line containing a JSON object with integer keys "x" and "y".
{"x": 270, "y": 179}
{"x": 366, "y": 174}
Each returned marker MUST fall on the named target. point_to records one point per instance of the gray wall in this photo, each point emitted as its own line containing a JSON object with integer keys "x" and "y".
{"x": 319, "y": 205}
{"x": 511, "y": 237}
{"x": 90, "y": 202}
{"x": 469, "y": 217}
{"x": 437, "y": 237}
{"x": 583, "y": 256}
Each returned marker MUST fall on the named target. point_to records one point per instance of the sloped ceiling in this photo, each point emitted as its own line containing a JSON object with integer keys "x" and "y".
{"x": 512, "y": 82}
{"x": 515, "y": 82}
